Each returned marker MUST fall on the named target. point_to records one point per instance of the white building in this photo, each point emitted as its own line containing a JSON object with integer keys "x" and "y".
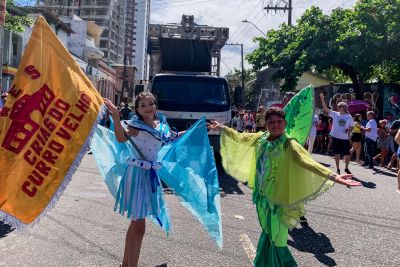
{"x": 140, "y": 38}
{"x": 15, "y": 43}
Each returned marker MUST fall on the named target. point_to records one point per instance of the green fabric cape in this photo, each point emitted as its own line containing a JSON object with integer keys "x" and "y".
{"x": 292, "y": 177}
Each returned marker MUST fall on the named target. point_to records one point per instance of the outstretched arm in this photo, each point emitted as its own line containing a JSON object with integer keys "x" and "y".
{"x": 177, "y": 134}
{"x": 215, "y": 125}
{"x": 118, "y": 129}
{"x": 302, "y": 157}
{"x": 324, "y": 106}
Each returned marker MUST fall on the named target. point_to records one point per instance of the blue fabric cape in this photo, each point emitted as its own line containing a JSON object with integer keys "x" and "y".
{"x": 188, "y": 168}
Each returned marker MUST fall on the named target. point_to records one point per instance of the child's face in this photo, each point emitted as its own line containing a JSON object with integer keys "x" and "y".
{"x": 275, "y": 125}
{"x": 147, "y": 108}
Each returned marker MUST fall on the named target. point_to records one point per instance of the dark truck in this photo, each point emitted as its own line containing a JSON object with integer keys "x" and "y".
{"x": 184, "y": 72}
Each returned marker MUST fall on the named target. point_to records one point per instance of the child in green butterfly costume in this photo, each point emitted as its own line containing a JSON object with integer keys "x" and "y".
{"x": 281, "y": 173}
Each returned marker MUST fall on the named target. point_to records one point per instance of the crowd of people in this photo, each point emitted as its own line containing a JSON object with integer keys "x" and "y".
{"x": 360, "y": 135}
{"x": 249, "y": 121}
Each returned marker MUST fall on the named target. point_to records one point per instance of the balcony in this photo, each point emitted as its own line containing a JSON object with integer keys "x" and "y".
{"x": 93, "y": 52}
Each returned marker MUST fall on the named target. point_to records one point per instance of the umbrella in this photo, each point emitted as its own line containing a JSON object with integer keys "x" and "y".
{"x": 356, "y": 106}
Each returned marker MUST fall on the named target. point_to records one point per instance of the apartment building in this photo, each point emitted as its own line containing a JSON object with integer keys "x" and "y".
{"x": 140, "y": 38}
{"x": 112, "y": 15}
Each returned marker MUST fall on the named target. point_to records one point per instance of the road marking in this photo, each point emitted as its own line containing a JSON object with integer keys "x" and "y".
{"x": 240, "y": 217}
{"x": 248, "y": 247}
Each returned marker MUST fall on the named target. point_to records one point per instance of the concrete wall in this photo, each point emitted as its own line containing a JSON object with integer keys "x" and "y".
{"x": 76, "y": 41}
{"x": 309, "y": 78}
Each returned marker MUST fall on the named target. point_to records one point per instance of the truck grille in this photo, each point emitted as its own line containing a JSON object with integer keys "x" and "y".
{"x": 181, "y": 124}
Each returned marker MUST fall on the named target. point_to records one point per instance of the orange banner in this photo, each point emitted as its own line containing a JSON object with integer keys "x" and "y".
{"x": 45, "y": 127}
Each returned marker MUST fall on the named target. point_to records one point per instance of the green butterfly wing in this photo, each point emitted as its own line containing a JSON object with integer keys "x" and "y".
{"x": 299, "y": 114}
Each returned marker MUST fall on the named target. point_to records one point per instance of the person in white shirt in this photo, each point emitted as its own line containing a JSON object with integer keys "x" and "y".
{"x": 342, "y": 125}
{"x": 313, "y": 134}
{"x": 239, "y": 123}
{"x": 371, "y": 134}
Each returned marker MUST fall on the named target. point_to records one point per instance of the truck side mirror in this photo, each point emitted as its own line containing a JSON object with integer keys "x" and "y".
{"x": 238, "y": 96}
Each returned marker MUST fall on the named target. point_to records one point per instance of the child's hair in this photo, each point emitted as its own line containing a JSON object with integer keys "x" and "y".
{"x": 357, "y": 117}
{"x": 139, "y": 97}
{"x": 274, "y": 111}
{"x": 371, "y": 113}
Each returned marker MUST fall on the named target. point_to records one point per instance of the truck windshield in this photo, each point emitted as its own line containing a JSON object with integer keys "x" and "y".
{"x": 191, "y": 93}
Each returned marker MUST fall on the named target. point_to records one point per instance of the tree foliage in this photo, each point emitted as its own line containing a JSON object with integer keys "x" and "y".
{"x": 359, "y": 44}
{"x": 15, "y": 23}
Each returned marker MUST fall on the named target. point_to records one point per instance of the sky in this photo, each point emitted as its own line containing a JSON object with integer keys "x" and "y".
{"x": 230, "y": 13}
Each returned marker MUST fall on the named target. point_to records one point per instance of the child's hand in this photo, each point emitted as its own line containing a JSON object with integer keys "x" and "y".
{"x": 112, "y": 109}
{"x": 345, "y": 179}
{"x": 214, "y": 125}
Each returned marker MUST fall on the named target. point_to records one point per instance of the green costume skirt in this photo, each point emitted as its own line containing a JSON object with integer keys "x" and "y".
{"x": 272, "y": 247}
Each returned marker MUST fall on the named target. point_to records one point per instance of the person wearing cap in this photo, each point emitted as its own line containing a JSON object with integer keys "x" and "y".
{"x": 342, "y": 125}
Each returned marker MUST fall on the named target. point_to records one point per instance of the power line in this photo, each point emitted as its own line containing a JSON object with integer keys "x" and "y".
{"x": 247, "y": 26}
{"x": 251, "y": 12}
{"x": 226, "y": 65}
{"x": 162, "y": 2}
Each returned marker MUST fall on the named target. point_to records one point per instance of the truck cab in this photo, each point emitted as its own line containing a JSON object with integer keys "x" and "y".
{"x": 183, "y": 99}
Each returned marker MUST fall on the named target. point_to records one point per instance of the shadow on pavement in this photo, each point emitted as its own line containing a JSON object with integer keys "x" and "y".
{"x": 307, "y": 240}
{"x": 325, "y": 164}
{"x": 369, "y": 185}
{"x": 385, "y": 172}
{"x": 5, "y": 229}
{"x": 227, "y": 184}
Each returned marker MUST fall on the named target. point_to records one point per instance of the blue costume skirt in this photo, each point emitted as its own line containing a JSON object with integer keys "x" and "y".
{"x": 139, "y": 193}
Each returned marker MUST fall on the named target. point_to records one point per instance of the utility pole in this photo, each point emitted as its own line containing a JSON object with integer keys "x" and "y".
{"x": 288, "y": 7}
{"x": 241, "y": 53}
{"x": 124, "y": 82}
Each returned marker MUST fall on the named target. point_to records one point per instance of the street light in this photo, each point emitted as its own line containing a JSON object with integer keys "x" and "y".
{"x": 246, "y": 21}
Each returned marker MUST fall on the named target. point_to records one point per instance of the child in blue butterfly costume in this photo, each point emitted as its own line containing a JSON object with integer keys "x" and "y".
{"x": 134, "y": 158}
{"x": 138, "y": 192}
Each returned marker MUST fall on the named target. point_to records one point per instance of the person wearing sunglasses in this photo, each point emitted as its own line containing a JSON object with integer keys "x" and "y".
{"x": 283, "y": 176}
{"x": 342, "y": 125}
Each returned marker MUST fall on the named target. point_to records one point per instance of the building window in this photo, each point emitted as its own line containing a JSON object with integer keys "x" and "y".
{"x": 101, "y": 12}
{"x": 105, "y": 33}
{"x": 103, "y": 44}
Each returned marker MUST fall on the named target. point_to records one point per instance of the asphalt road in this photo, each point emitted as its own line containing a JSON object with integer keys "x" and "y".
{"x": 347, "y": 227}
